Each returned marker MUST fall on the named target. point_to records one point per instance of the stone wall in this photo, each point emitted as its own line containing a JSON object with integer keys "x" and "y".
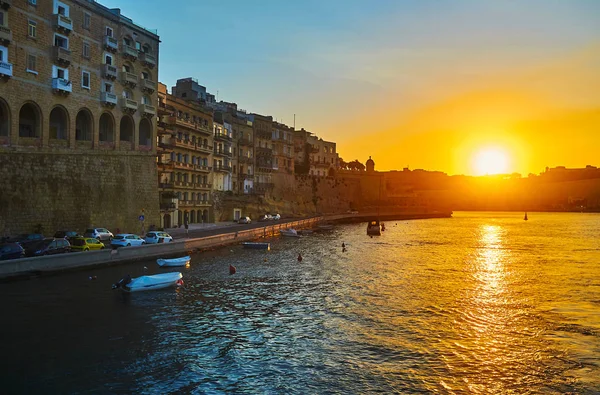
{"x": 66, "y": 189}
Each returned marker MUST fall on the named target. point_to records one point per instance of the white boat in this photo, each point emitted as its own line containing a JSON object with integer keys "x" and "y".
{"x": 148, "y": 283}
{"x": 183, "y": 261}
{"x": 289, "y": 232}
{"x": 257, "y": 246}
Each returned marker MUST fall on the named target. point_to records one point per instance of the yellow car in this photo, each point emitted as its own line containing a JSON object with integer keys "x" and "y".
{"x": 86, "y": 244}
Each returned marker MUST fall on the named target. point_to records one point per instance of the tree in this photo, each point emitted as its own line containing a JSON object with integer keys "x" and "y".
{"x": 356, "y": 165}
{"x": 342, "y": 164}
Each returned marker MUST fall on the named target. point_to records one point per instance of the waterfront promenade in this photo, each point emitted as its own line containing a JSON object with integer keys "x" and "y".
{"x": 197, "y": 238}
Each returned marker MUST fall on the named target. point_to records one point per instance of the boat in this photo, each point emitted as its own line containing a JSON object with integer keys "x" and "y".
{"x": 148, "y": 283}
{"x": 525, "y": 218}
{"x": 289, "y": 232}
{"x": 183, "y": 261}
{"x": 305, "y": 232}
{"x": 256, "y": 246}
{"x": 373, "y": 228}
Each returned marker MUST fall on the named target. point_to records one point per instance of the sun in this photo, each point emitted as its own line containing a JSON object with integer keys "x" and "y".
{"x": 491, "y": 161}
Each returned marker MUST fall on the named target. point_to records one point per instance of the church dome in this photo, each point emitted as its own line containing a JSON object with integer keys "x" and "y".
{"x": 370, "y": 164}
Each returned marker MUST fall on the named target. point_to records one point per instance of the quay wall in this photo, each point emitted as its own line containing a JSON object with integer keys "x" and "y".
{"x": 64, "y": 189}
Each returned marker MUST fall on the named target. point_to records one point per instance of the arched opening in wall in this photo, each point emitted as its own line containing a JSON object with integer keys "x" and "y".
{"x": 128, "y": 67}
{"x": 29, "y": 121}
{"x": 59, "y": 124}
{"x": 107, "y": 128}
{"x": 4, "y": 119}
{"x": 126, "y": 132}
{"x": 192, "y": 217}
{"x": 167, "y": 221}
{"x": 146, "y": 48}
{"x": 331, "y": 172}
{"x": 83, "y": 125}
{"x": 205, "y": 216}
{"x": 179, "y": 218}
{"x": 145, "y": 135}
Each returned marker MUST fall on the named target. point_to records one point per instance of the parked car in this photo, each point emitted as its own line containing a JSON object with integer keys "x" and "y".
{"x": 26, "y": 238}
{"x": 244, "y": 220}
{"x": 99, "y": 233}
{"x": 47, "y": 247}
{"x": 275, "y": 217}
{"x": 86, "y": 244}
{"x": 158, "y": 237}
{"x": 127, "y": 240}
{"x": 264, "y": 218}
{"x": 11, "y": 251}
{"x": 66, "y": 234}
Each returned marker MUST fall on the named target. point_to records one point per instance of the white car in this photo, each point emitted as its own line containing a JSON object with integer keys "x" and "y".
{"x": 157, "y": 237}
{"x": 275, "y": 217}
{"x": 101, "y": 234}
{"x": 244, "y": 220}
{"x": 127, "y": 240}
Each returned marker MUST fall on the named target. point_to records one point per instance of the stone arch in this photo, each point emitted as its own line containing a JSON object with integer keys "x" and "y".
{"x": 146, "y": 74}
{"x": 59, "y": 123}
{"x": 146, "y": 48}
{"x": 205, "y": 215}
{"x": 30, "y": 120}
{"x": 128, "y": 67}
{"x": 192, "y": 217}
{"x": 4, "y": 119}
{"x": 126, "y": 129}
{"x": 145, "y": 134}
{"x": 107, "y": 128}
{"x": 84, "y": 125}
{"x": 179, "y": 218}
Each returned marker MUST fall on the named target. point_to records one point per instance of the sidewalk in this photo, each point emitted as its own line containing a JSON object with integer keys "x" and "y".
{"x": 180, "y": 232}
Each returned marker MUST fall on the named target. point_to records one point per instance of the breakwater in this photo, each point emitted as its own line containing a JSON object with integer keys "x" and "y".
{"x": 31, "y": 267}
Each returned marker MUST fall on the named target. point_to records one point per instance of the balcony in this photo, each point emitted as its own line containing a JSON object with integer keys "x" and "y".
{"x": 203, "y": 186}
{"x": 168, "y": 206}
{"x": 5, "y": 4}
{"x": 148, "y": 86}
{"x": 314, "y": 150}
{"x": 108, "y": 98}
{"x": 61, "y": 55}
{"x": 166, "y": 165}
{"x": 202, "y": 203}
{"x": 148, "y": 59}
{"x": 166, "y": 185}
{"x": 184, "y": 184}
{"x": 245, "y": 159}
{"x": 202, "y": 168}
{"x": 5, "y": 35}
{"x": 129, "y": 79}
{"x": 184, "y": 166}
{"x": 62, "y": 23}
{"x": 263, "y": 151}
{"x": 245, "y": 142}
{"x": 221, "y": 152}
{"x": 109, "y": 71}
{"x": 182, "y": 143}
{"x": 61, "y": 86}
{"x": 263, "y": 135}
{"x": 130, "y": 52}
{"x": 222, "y": 137}
{"x": 6, "y": 69}
{"x": 166, "y": 146}
{"x": 225, "y": 168}
{"x": 204, "y": 148}
{"x": 128, "y": 105}
{"x": 111, "y": 44}
{"x": 147, "y": 110}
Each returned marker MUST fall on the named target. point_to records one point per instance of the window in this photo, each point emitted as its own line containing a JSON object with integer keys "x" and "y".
{"x": 32, "y": 30}
{"x": 61, "y": 8}
{"x": 109, "y": 31}
{"x": 3, "y": 54}
{"x": 138, "y": 45}
{"x": 108, "y": 59}
{"x": 61, "y": 41}
{"x": 145, "y": 75}
{"x": 59, "y": 72}
{"x": 86, "y": 50}
{"x": 127, "y": 94}
{"x": 146, "y": 100}
{"x": 108, "y": 87}
{"x": 85, "y": 79}
{"x": 87, "y": 20}
{"x": 1, "y": 18}
{"x": 127, "y": 41}
{"x": 32, "y": 63}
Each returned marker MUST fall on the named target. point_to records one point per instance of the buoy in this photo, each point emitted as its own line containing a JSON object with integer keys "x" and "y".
{"x": 299, "y": 257}
{"x": 232, "y": 269}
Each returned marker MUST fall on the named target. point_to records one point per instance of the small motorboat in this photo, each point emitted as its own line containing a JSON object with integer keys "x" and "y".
{"x": 256, "y": 246}
{"x": 325, "y": 226}
{"x": 183, "y": 261}
{"x": 525, "y": 217}
{"x": 305, "y": 232}
{"x": 373, "y": 228}
{"x": 148, "y": 283}
{"x": 291, "y": 232}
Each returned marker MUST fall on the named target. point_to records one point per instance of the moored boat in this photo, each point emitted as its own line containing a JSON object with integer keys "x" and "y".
{"x": 183, "y": 261}
{"x": 289, "y": 232}
{"x": 148, "y": 283}
{"x": 305, "y": 232}
{"x": 325, "y": 226}
{"x": 256, "y": 246}
{"x": 373, "y": 228}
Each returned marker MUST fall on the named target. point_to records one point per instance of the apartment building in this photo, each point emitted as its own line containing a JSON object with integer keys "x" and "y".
{"x": 77, "y": 77}
{"x": 323, "y": 157}
{"x": 282, "y": 141}
{"x": 263, "y": 150}
{"x": 185, "y": 158}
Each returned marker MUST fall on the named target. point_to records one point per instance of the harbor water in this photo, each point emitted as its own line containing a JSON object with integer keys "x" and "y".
{"x": 475, "y": 304}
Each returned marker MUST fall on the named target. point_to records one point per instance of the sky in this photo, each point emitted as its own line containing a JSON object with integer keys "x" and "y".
{"x": 427, "y": 84}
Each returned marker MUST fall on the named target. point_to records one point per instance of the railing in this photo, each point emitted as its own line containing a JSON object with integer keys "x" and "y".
{"x": 148, "y": 59}
{"x": 203, "y": 186}
{"x": 222, "y": 136}
{"x": 63, "y": 23}
{"x": 204, "y": 148}
{"x": 222, "y": 152}
{"x": 147, "y": 109}
{"x": 128, "y": 78}
{"x": 61, "y": 54}
{"x": 130, "y": 52}
{"x": 6, "y": 69}
{"x": 110, "y": 71}
{"x": 61, "y": 85}
{"x": 203, "y": 168}
{"x": 263, "y": 151}
{"x": 111, "y": 43}
{"x": 184, "y": 165}
{"x": 148, "y": 85}
{"x": 5, "y": 34}
{"x": 129, "y": 105}
{"x": 109, "y": 98}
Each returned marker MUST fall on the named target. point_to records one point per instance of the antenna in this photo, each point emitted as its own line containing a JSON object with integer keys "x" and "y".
{"x": 294, "y": 121}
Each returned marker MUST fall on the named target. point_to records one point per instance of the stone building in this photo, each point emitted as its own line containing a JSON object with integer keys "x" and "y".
{"x": 282, "y": 140}
{"x": 77, "y": 117}
{"x": 222, "y": 154}
{"x": 185, "y": 155}
{"x": 323, "y": 157}
{"x": 263, "y": 150}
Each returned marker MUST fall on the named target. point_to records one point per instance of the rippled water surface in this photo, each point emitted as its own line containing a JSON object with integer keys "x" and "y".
{"x": 479, "y": 303}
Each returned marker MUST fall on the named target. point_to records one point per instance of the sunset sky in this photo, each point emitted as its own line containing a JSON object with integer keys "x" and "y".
{"x": 427, "y": 84}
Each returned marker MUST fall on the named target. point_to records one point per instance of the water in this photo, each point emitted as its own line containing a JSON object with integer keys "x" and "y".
{"x": 480, "y": 303}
